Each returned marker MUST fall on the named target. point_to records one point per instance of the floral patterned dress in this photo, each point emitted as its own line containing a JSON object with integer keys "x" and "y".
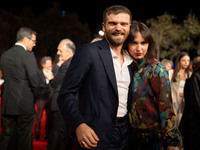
{"x": 152, "y": 117}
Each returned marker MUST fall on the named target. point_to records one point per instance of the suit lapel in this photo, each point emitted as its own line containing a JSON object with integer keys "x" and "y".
{"x": 43, "y": 76}
{"x": 106, "y": 58}
{"x": 130, "y": 89}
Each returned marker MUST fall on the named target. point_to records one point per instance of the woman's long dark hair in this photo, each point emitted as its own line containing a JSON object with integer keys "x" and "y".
{"x": 177, "y": 66}
{"x": 146, "y": 34}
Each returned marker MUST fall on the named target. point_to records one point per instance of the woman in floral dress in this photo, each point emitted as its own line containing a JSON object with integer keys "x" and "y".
{"x": 151, "y": 113}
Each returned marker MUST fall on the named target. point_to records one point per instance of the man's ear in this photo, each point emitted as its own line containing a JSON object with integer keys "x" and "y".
{"x": 103, "y": 27}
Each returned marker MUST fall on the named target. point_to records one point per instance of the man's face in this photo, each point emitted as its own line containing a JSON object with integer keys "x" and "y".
{"x": 117, "y": 28}
{"x": 62, "y": 52}
{"x": 47, "y": 65}
{"x": 31, "y": 43}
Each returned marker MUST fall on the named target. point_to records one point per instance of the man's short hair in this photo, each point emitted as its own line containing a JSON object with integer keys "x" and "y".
{"x": 25, "y": 32}
{"x": 69, "y": 44}
{"x": 116, "y": 9}
{"x": 44, "y": 59}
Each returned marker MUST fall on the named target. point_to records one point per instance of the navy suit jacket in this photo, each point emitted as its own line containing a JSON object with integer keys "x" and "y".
{"x": 91, "y": 74}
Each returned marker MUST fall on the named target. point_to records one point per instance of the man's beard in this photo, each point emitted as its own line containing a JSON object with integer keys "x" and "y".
{"x": 115, "y": 41}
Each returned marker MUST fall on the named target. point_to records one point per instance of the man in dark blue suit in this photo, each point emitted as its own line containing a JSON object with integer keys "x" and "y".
{"x": 20, "y": 74}
{"x": 99, "y": 74}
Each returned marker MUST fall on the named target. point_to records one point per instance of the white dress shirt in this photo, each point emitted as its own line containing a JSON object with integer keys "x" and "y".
{"x": 47, "y": 81}
{"x": 123, "y": 80}
{"x": 21, "y": 45}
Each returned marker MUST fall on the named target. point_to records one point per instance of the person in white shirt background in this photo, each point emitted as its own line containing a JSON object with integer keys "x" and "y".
{"x": 177, "y": 77}
{"x": 43, "y": 94}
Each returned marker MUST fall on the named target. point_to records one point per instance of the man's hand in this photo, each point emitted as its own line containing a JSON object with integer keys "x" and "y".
{"x": 86, "y": 136}
{"x": 48, "y": 74}
{"x": 61, "y": 61}
{"x": 172, "y": 148}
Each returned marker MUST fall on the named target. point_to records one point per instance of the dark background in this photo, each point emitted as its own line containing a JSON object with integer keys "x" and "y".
{"x": 52, "y": 27}
{"x": 90, "y": 11}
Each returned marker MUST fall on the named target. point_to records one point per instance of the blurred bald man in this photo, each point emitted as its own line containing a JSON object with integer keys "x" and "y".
{"x": 58, "y": 137}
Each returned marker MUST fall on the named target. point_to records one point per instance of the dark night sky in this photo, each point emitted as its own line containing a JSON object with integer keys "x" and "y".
{"x": 91, "y": 11}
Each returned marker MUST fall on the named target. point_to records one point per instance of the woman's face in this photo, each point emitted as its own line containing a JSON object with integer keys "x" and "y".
{"x": 168, "y": 66}
{"x": 184, "y": 62}
{"x": 138, "y": 47}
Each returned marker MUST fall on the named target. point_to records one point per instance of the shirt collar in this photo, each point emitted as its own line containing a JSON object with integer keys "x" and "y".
{"x": 68, "y": 58}
{"x": 113, "y": 54}
{"x": 19, "y": 44}
{"x": 44, "y": 71}
{"x": 127, "y": 59}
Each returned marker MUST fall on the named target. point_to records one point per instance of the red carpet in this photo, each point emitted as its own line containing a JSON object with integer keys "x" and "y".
{"x": 42, "y": 143}
{"x": 39, "y": 145}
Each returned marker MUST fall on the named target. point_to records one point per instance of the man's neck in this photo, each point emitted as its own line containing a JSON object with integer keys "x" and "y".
{"x": 21, "y": 44}
{"x": 117, "y": 50}
{"x": 68, "y": 57}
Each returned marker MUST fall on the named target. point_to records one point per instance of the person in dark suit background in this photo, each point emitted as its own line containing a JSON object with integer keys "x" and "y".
{"x": 190, "y": 123}
{"x": 99, "y": 73}
{"x": 21, "y": 80}
{"x": 58, "y": 138}
{"x": 43, "y": 94}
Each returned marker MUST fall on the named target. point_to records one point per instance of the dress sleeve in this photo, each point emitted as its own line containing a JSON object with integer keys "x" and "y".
{"x": 161, "y": 87}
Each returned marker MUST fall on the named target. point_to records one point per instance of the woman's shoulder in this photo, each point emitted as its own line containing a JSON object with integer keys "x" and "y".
{"x": 157, "y": 65}
{"x": 171, "y": 71}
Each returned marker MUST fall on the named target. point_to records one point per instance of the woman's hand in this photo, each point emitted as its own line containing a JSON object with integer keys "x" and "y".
{"x": 181, "y": 95}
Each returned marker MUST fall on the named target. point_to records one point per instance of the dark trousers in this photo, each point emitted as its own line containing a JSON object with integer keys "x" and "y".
{"x": 120, "y": 137}
{"x": 17, "y": 130}
{"x": 58, "y": 138}
{"x": 41, "y": 104}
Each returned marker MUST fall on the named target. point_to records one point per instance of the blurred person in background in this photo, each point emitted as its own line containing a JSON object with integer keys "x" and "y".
{"x": 190, "y": 122}
{"x": 167, "y": 63}
{"x": 42, "y": 98}
{"x": 177, "y": 77}
{"x": 58, "y": 138}
{"x": 21, "y": 81}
